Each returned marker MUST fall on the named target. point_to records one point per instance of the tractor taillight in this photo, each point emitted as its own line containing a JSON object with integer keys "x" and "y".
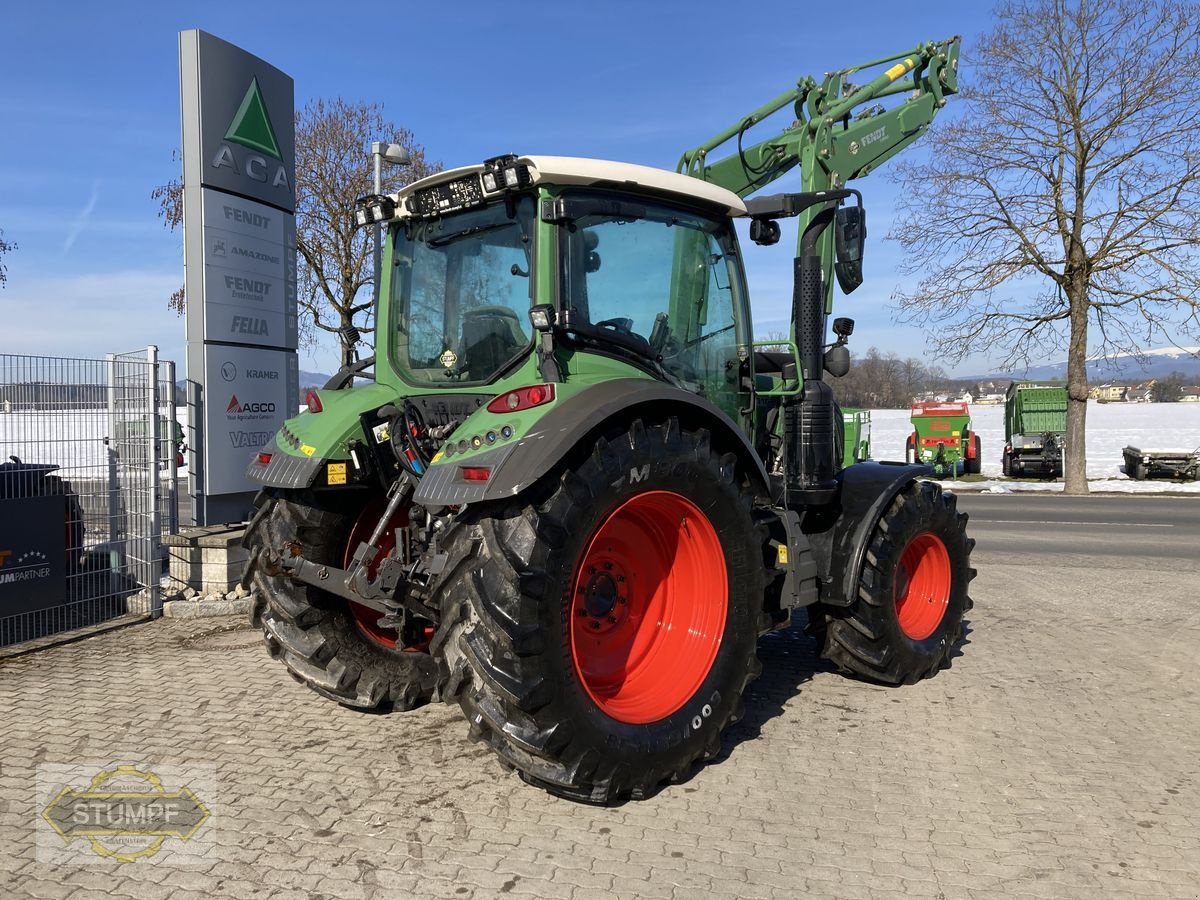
{"x": 522, "y": 398}
{"x": 264, "y": 458}
{"x": 475, "y": 473}
{"x": 313, "y": 401}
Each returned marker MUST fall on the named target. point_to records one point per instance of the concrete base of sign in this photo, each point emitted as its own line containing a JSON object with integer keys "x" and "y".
{"x": 193, "y": 609}
{"x": 209, "y": 559}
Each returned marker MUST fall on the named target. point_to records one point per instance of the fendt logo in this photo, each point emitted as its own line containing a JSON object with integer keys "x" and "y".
{"x": 236, "y": 408}
{"x": 251, "y": 128}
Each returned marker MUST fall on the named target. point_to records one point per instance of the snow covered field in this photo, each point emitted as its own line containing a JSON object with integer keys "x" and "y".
{"x": 1110, "y": 427}
{"x": 74, "y": 440}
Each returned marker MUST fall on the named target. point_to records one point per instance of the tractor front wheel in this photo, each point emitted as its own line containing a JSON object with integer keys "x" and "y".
{"x": 335, "y": 648}
{"x": 599, "y": 634}
{"x": 907, "y": 616}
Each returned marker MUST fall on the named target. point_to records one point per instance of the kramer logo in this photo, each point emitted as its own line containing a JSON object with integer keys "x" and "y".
{"x": 251, "y": 129}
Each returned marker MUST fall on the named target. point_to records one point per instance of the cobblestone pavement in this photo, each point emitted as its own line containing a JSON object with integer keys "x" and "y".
{"x": 1059, "y": 757}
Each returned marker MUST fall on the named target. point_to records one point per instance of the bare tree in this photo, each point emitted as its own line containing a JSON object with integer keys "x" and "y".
{"x": 333, "y": 168}
{"x": 5, "y": 247}
{"x": 1060, "y": 206}
{"x": 1169, "y": 388}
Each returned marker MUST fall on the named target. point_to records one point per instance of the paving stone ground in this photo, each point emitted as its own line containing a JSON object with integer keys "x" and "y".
{"x": 1059, "y": 757}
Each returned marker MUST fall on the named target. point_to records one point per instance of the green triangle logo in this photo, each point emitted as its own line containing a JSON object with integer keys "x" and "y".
{"x": 251, "y": 126}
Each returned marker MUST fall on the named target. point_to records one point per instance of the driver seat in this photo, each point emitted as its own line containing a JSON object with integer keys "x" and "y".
{"x": 491, "y": 336}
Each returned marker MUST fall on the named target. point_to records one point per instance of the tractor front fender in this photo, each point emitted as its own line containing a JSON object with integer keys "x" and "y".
{"x": 840, "y": 532}
{"x": 588, "y": 414}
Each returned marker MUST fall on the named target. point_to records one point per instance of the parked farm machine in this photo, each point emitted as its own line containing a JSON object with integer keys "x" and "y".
{"x": 576, "y": 490}
{"x": 1035, "y": 429}
{"x": 942, "y": 437}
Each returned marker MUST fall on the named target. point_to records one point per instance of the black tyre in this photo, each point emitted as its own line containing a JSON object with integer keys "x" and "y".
{"x": 599, "y": 633}
{"x": 1138, "y": 473}
{"x": 335, "y": 649}
{"x": 910, "y": 449}
{"x": 973, "y": 466}
{"x": 912, "y": 593}
{"x": 1006, "y": 463}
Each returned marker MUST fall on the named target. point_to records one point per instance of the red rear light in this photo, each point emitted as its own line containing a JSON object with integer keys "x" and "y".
{"x": 475, "y": 473}
{"x": 313, "y": 402}
{"x": 522, "y": 398}
{"x": 264, "y": 458}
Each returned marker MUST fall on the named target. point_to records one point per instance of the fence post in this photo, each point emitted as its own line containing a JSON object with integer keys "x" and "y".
{"x": 154, "y": 538}
{"x": 172, "y": 467}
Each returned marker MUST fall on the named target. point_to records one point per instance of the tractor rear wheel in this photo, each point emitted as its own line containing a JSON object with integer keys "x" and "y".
{"x": 599, "y": 634}
{"x": 907, "y": 617}
{"x": 335, "y": 648}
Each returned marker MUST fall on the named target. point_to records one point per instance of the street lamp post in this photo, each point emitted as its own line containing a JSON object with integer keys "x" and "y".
{"x": 397, "y": 155}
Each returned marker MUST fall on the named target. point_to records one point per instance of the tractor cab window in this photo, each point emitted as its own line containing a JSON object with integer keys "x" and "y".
{"x": 461, "y": 291}
{"x": 667, "y": 278}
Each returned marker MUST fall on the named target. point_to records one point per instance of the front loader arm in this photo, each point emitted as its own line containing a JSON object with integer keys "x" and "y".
{"x": 842, "y": 131}
{"x": 829, "y": 141}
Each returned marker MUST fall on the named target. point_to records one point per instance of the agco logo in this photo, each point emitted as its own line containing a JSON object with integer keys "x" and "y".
{"x": 251, "y": 128}
{"x": 235, "y": 408}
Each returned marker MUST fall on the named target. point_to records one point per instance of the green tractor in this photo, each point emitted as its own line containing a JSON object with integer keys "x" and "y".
{"x": 575, "y": 492}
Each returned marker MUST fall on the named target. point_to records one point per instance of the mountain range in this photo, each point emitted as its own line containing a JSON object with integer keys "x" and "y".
{"x": 1124, "y": 368}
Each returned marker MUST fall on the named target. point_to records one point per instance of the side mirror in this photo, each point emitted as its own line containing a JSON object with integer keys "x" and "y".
{"x": 837, "y": 360}
{"x": 849, "y": 235}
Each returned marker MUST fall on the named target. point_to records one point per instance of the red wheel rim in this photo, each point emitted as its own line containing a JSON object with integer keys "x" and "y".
{"x": 922, "y": 589}
{"x": 365, "y": 618}
{"x": 648, "y": 607}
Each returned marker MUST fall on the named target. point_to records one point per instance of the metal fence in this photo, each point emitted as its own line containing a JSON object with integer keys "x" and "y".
{"x": 89, "y": 450}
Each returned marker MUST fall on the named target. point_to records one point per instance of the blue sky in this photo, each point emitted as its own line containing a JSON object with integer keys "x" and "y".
{"x": 89, "y": 118}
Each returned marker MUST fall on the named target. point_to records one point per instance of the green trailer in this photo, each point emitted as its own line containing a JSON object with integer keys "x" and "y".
{"x": 942, "y": 437}
{"x": 856, "y": 436}
{"x": 1035, "y": 427}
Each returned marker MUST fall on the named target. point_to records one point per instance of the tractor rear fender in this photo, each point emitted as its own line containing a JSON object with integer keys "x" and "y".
{"x": 841, "y": 531}
{"x": 588, "y": 416}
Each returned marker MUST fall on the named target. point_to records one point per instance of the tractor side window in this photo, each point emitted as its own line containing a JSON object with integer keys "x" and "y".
{"x": 665, "y": 277}
{"x": 461, "y": 294}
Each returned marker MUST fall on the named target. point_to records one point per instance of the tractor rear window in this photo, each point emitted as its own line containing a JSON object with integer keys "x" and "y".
{"x": 461, "y": 294}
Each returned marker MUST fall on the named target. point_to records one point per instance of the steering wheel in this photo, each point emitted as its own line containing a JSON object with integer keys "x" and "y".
{"x": 623, "y": 325}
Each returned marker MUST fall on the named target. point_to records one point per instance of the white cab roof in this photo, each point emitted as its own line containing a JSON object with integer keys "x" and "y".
{"x": 583, "y": 171}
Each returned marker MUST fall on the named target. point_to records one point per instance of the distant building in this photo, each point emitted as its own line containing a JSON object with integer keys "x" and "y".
{"x": 1190, "y": 395}
{"x": 1109, "y": 393}
{"x": 1140, "y": 393}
